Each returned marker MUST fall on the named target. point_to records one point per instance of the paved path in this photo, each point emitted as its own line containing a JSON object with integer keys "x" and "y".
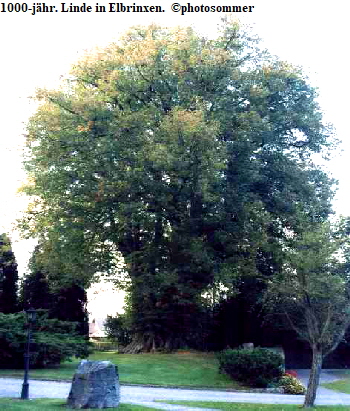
{"x": 10, "y": 387}
{"x": 325, "y": 395}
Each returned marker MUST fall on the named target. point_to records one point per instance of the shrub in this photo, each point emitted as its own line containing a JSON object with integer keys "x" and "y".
{"x": 258, "y": 367}
{"x": 118, "y": 329}
{"x": 291, "y": 385}
{"x": 53, "y": 341}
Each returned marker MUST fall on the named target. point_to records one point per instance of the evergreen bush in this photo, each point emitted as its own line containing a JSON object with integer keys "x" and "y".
{"x": 256, "y": 367}
{"x": 53, "y": 341}
{"x": 8, "y": 277}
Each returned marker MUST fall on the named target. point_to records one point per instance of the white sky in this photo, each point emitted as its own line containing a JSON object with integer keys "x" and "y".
{"x": 36, "y": 50}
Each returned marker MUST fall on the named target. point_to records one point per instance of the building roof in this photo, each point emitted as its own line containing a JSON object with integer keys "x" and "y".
{"x": 95, "y": 330}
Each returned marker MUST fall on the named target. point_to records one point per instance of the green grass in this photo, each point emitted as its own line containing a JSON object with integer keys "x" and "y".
{"x": 9, "y": 404}
{"x": 226, "y": 406}
{"x": 63, "y": 372}
{"x": 187, "y": 369}
{"x": 341, "y": 386}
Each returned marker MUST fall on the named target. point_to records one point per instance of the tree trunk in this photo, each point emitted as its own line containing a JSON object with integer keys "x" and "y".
{"x": 314, "y": 379}
{"x": 151, "y": 343}
{"x": 141, "y": 344}
{"x": 135, "y": 347}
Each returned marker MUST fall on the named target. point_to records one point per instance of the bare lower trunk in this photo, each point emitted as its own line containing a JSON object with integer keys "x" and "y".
{"x": 147, "y": 344}
{"x": 314, "y": 379}
{"x": 135, "y": 347}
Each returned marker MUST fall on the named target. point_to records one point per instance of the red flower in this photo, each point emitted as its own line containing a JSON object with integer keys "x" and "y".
{"x": 293, "y": 373}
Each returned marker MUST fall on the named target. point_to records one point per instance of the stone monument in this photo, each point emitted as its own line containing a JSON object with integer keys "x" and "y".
{"x": 95, "y": 385}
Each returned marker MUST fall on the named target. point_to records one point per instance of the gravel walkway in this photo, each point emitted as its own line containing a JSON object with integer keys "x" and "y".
{"x": 10, "y": 387}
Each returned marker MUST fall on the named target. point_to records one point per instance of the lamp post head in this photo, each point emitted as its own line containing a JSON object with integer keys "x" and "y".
{"x": 31, "y": 315}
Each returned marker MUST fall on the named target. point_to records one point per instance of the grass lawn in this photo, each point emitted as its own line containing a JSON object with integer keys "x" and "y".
{"x": 225, "y": 406}
{"x": 9, "y": 404}
{"x": 188, "y": 369}
{"x": 341, "y": 385}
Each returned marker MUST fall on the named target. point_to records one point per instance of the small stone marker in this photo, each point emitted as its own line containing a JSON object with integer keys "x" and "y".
{"x": 95, "y": 385}
{"x": 248, "y": 346}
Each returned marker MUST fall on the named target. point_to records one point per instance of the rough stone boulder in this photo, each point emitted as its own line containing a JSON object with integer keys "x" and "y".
{"x": 95, "y": 385}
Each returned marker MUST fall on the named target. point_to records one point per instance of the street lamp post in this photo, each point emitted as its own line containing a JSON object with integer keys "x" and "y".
{"x": 31, "y": 316}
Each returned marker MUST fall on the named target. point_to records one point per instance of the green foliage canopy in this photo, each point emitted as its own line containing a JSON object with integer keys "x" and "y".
{"x": 67, "y": 303}
{"x": 8, "y": 277}
{"x": 313, "y": 291}
{"x": 187, "y": 156}
{"x": 313, "y": 287}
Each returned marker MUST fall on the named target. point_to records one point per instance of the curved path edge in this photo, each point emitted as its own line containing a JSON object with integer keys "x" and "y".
{"x": 11, "y": 387}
